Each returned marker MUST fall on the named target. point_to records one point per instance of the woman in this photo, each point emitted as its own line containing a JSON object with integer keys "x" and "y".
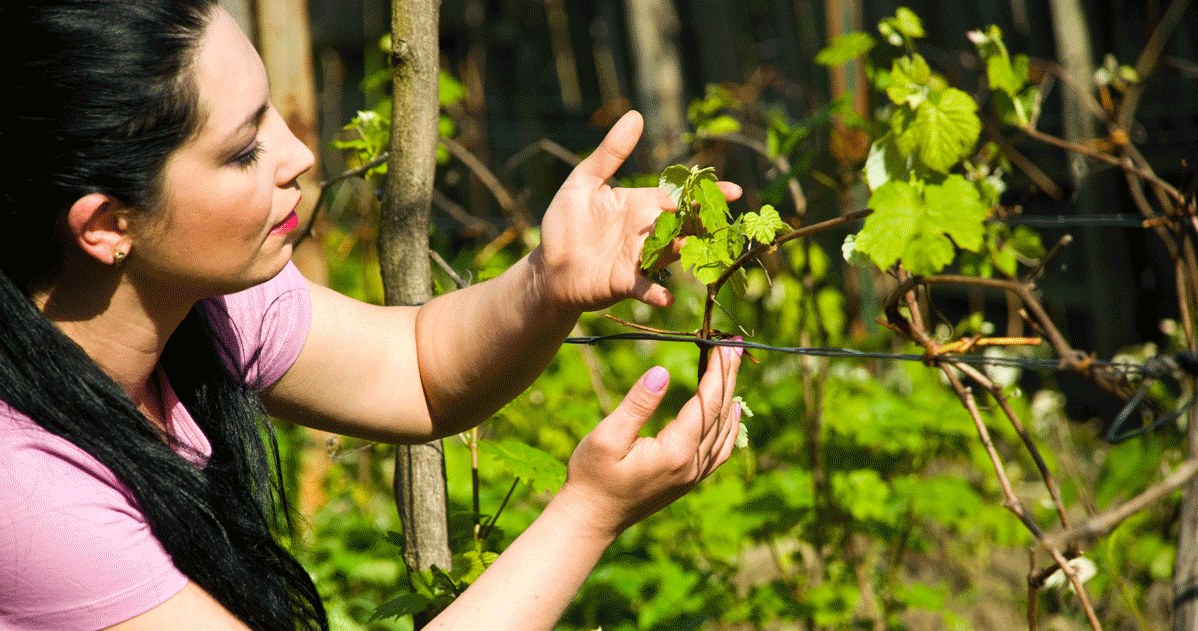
{"x": 150, "y": 315}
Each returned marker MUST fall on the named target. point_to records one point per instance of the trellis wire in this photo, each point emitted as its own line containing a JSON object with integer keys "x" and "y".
{"x": 1028, "y": 363}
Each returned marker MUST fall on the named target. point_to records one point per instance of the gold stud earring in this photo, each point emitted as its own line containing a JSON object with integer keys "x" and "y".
{"x": 118, "y": 257}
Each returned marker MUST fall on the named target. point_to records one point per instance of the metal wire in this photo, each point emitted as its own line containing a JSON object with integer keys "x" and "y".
{"x": 1029, "y": 363}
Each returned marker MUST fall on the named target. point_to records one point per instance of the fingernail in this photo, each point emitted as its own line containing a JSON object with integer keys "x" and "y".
{"x": 656, "y": 379}
{"x": 739, "y": 349}
{"x": 736, "y": 412}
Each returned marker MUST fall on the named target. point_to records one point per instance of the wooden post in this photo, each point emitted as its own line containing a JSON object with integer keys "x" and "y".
{"x": 404, "y": 261}
{"x": 653, "y": 33}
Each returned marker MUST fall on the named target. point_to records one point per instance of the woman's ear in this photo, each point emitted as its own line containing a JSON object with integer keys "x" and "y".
{"x": 98, "y": 225}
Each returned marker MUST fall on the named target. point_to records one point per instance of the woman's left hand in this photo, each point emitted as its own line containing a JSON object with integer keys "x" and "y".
{"x": 592, "y": 234}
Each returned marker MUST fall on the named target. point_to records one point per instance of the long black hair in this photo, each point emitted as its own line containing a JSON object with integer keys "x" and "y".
{"x": 99, "y": 93}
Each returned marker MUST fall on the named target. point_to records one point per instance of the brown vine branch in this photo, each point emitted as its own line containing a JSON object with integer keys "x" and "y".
{"x": 1105, "y": 522}
{"x": 1010, "y": 500}
{"x": 448, "y": 269}
{"x": 543, "y": 145}
{"x": 1125, "y": 164}
{"x": 1000, "y": 397}
{"x": 1037, "y": 271}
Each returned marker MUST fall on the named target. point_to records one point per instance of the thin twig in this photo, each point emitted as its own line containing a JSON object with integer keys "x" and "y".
{"x": 1012, "y": 503}
{"x": 1036, "y": 272}
{"x": 1105, "y": 522}
{"x": 1025, "y": 164}
{"x": 996, "y": 391}
{"x": 1010, "y": 500}
{"x": 1102, "y": 156}
{"x": 543, "y": 145}
{"x": 494, "y": 518}
{"x": 470, "y": 222}
{"x": 448, "y": 269}
{"x": 1148, "y": 60}
{"x": 780, "y": 163}
{"x": 516, "y": 212}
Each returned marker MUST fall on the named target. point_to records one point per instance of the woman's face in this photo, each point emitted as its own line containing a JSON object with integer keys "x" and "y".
{"x": 230, "y": 191}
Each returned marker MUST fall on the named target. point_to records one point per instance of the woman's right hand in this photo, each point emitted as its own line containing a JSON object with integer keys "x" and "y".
{"x": 617, "y": 477}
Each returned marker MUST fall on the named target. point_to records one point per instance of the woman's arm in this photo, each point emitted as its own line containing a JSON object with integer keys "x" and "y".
{"x": 192, "y": 609}
{"x": 406, "y": 374}
{"x": 616, "y": 478}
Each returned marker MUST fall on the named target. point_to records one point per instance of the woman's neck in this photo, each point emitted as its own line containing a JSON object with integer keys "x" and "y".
{"x": 118, "y": 326}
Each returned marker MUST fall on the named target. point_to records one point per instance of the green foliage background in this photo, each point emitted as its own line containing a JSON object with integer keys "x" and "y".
{"x": 864, "y": 496}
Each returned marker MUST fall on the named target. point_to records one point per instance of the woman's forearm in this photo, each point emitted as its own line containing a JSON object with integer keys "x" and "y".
{"x": 480, "y": 347}
{"x": 530, "y": 585}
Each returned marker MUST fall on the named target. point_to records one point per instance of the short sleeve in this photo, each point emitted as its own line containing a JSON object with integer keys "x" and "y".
{"x": 264, "y": 327}
{"x": 75, "y": 551}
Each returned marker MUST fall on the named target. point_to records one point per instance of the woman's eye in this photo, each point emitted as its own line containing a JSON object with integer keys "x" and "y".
{"x": 249, "y": 157}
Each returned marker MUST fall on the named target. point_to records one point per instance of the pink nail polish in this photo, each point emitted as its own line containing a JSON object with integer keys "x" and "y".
{"x": 739, "y": 350}
{"x": 656, "y": 379}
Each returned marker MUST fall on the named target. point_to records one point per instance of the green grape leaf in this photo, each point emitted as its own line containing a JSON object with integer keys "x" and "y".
{"x": 713, "y": 206}
{"x": 763, "y": 226}
{"x": 1006, "y": 262}
{"x": 1026, "y": 242}
{"x": 894, "y": 221}
{"x": 675, "y": 179}
{"x": 1019, "y": 110}
{"x": 718, "y": 125}
{"x": 908, "y": 23}
{"x": 541, "y": 470}
{"x": 915, "y": 226}
{"x": 405, "y": 604}
{"x": 469, "y": 565}
{"x": 886, "y": 162}
{"x": 665, "y": 229}
{"x": 853, "y": 256}
{"x": 945, "y": 129}
{"x": 707, "y": 257}
{"x": 1002, "y": 75}
{"x": 715, "y": 98}
{"x": 955, "y": 207}
{"x": 909, "y": 77}
{"x": 927, "y": 253}
{"x": 845, "y": 48}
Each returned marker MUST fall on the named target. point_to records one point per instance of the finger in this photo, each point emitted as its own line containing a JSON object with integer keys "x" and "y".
{"x": 651, "y": 293}
{"x": 727, "y": 443}
{"x": 729, "y": 360}
{"x": 733, "y": 354}
{"x": 624, "y": 423}
{"x": 617, "y": 145}
{"x": 732, "y": 192}
{"x": 701, "y": 412}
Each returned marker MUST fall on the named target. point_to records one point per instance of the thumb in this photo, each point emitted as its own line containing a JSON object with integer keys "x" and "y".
{"x": 626, "y": 421}
{"x": 617, "y": 145}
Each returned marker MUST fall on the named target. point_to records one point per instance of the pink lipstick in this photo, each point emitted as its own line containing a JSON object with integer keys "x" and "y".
{"x": 287, "y": 225}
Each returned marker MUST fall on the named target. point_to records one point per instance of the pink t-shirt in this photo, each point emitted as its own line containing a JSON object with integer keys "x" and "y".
{"x": 75, "y": 550}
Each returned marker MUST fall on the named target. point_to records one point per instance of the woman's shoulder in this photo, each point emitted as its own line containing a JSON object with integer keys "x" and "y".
{"x": 263, "y": 328}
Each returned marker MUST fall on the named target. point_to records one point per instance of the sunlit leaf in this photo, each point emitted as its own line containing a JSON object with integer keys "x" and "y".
{"x": 845, "y": 48}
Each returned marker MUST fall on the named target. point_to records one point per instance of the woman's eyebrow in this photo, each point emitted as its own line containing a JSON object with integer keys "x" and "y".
{"x": 251, "y": 121}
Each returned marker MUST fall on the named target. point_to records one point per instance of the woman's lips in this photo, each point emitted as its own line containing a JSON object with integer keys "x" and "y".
{"x": 288, "y": 224}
